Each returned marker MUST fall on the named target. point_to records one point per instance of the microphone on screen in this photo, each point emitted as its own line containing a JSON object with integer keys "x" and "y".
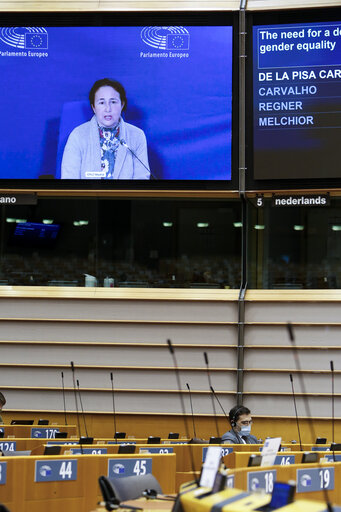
{"x": 124, "y": 144}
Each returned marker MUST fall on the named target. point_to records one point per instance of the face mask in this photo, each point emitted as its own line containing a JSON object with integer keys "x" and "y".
{"x": 245, "y": 430}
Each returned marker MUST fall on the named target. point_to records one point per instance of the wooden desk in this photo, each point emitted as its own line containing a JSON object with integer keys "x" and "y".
{"x": 24, "y": 431}
{"x": 286, "y": 473}
{"x": 22, "y": 493}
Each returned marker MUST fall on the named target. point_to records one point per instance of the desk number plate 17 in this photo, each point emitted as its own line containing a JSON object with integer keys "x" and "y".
{"x": 3, "y": 472}
{"x": 315, "y": 479}
{"x": 55, "y": 470}
{"x": 118, "y": 468}
{"x": 257, "y": 480}
{"x": 47, "y": 433}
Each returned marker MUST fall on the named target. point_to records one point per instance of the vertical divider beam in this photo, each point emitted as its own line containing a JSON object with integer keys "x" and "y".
{"x": 242, "y": 171}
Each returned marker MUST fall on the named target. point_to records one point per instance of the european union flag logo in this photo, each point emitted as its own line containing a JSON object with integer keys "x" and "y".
{"x": 177, "y": 42}
{"x": 34, "y": 40}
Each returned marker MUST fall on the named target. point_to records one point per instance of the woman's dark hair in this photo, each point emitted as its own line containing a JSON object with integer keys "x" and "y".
{"x": 235, "y": 412}
{"x": 111, "y": 83}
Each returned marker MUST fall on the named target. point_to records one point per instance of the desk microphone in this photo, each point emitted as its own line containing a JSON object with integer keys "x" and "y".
{"x": 212, "y": 395}
{"x": 190, "y": 399}
{"x": 113, "y": 404}
{"x": 63, "y": 390}
{"x": 333, "y": 414}
{"x": 76, "y": 402}
{"x": 306, "y": 402}
{"x": 222, "y": 408}
{"x": 176, "y": 368}
{"x": 297, "y": 422}
{"x": 80, "y": 399}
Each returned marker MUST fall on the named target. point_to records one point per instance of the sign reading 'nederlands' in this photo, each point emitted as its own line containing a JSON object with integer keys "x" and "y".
{"x": 301, "y": 200}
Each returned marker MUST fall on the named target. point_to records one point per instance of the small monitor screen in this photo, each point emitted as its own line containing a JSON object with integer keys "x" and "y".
{"x": 164, "y": 113}
{"x": 297, "y": 100}
{"x": 33, "y": 234}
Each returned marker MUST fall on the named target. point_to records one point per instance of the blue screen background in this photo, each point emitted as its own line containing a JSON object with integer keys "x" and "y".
{"x": 182, "y": 104}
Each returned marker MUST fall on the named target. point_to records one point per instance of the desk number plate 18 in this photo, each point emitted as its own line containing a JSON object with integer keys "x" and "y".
{"x": 55, "y": 470}
{"x": 3, "y": 472}
{"x": 117, "y": 468}
{"x": 8, "y": 446}
{"x": 47, "y": 433}
{"x": 314, "y": 479}
{"x": 257, "y": 480}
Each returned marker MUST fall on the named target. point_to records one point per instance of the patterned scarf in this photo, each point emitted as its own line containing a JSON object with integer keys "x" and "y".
{"x": 108, "y": 138}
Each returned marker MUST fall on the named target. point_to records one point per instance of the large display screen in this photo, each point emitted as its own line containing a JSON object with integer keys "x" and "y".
{"x": 177, "y": 124}
{"x": 297, "y": 100}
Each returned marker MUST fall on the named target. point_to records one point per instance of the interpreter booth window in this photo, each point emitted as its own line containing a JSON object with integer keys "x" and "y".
{"x": 122, "y": 243}
{"x": 294, "y": 247}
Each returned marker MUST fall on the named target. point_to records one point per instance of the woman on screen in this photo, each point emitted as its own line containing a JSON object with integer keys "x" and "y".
{"x": 106, "y": 147}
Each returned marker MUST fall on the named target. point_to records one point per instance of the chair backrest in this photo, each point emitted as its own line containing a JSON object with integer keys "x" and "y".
{"x": 154, "y": 440}
{"x": 173, "y": 435}
{"x": 127, "y": 488}
{"x": 120, "y": 435}
{"x": 22, "y": 422}
{"x": 52, "y": 450}
{"x": 126, "y": 448}
{"x": 60, "y": 435}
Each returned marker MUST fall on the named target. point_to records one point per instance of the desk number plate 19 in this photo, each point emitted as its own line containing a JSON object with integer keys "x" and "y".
{"x": 315, "y": 479}
{"x": 117, "y": 468}
{"x": 47, "y": 433}
{"x": 3, "y": 472}
{"x": 8, "y": 446}
{"x": 224, "y": 451}
{"x": 55, "y": 470}
{"x": 257, "y": 480}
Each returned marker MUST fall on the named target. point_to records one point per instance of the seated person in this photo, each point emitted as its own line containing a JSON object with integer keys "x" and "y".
{"x": 2, "y": 403}
{"x": 106, "y": 147}
{"x": 241, "y": 421}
